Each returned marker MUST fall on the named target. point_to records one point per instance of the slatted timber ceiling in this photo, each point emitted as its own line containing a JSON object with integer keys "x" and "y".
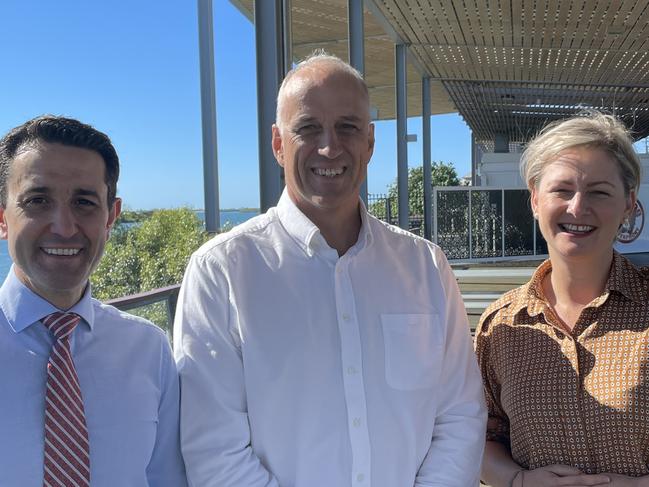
{"x": 507, "y": 66}
{"x": 510, "y": 66}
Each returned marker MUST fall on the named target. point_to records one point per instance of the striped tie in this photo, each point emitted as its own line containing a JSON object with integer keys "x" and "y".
{"x": 67, "y": 459}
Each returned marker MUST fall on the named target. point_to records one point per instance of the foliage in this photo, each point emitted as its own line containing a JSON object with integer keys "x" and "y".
{"x": 442, "y": 174}
{"x": 147, "y": 254}
{"x": 133, "y": 216}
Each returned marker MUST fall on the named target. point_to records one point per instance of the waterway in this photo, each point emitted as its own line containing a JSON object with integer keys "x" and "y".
{"x": 230, "y": 217}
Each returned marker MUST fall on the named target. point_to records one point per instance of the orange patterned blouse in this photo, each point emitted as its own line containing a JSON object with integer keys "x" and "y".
{"x": 577, "y": 398}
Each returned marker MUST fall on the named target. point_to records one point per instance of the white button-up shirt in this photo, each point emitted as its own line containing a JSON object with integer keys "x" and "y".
{"x": 300, "y": 368}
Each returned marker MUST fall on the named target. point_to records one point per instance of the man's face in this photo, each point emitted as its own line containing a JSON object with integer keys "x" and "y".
{"x": 56, "y": 219}
{"x": 325, "y": 141}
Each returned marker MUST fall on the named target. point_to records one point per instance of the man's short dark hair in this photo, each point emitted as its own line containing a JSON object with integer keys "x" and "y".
{"x": 59, "y": 130}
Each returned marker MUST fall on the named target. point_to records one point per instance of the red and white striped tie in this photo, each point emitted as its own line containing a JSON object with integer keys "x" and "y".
{"x": 67, "y": 458}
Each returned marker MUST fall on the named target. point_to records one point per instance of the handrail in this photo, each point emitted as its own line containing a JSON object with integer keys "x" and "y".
{"x": 169, "y": 294}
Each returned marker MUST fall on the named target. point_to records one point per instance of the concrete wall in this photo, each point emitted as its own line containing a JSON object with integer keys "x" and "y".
{"x": 501, "y": 170}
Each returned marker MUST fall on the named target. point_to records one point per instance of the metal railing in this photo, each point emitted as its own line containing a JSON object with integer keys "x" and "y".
{"x": 469, "y": 223}
{"x": 385, "y": 208}
{"x": 140, "y": 304}
{"x": 482, "y": 223}
{"x": 472, "y": 223}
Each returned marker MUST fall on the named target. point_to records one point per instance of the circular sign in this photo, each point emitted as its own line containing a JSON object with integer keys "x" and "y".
{"x": 632, "y": 227}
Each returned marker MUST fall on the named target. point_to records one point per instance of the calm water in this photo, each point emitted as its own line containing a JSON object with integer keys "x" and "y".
{"x": 232, "y": 217}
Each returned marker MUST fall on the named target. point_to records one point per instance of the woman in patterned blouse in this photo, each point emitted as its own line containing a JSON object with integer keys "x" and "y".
{"x": 565, "y": 358}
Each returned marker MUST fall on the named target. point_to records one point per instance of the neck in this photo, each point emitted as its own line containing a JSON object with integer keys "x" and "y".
{"x": 339, "y": 227}
{"x": 578, "y": 282}
{"x": 62, "y": 299}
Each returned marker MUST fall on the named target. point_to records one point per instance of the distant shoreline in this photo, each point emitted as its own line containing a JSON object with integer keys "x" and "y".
{"x": 240, "y": 210}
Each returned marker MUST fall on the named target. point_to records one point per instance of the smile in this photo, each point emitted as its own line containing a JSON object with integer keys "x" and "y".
{"x": 58, "y": 251}
{"x": 330, "y": 173}
{"x": 568, "y": 227}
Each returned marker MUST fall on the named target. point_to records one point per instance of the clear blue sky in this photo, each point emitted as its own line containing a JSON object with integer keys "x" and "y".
{"x": 131, "y": 69}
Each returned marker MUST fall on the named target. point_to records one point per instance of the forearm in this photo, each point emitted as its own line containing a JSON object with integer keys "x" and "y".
{"x": 498, "y": 468}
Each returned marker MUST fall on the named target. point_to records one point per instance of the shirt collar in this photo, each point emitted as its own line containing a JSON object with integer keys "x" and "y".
{"x": 22, "y": 307}
{"x": 536, "y": 301}
{"x": 623, "y": 278}
{"x": 627, "y": 279}
{"x": 307, "y": 235}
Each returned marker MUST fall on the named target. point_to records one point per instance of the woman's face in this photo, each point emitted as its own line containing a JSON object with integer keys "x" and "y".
{"x": 580, "y": 203}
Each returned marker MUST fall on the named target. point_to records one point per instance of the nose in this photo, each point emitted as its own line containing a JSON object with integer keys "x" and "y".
{"x": 63, "y": 222}
{"x": 329, "y": 145}
{"x": 578, "y": 205}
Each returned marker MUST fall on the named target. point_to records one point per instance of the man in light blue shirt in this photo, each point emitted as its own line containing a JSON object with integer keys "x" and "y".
{"x": 58, "y": 181}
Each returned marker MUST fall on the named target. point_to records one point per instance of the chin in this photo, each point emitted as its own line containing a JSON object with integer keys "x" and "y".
{"x": 583, "y": 252}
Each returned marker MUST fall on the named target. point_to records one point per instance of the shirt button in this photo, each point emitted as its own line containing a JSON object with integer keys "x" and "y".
{"x": 360, "y": 477}
{"x": 356, "y": 422}
{"x": 345, "y": 316}
{"x": 351, "y": 370}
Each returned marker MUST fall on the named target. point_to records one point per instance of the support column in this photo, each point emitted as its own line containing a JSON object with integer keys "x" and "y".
{"x": 287, "y": 36}
{"x": 271, "y": 66}
{"x": 428, "y": 189}
{"x": 402, "y": 144}
{"x": 208, "y": 116}
{"x": 356, "y": 36}
{"x": 474, "y": 161}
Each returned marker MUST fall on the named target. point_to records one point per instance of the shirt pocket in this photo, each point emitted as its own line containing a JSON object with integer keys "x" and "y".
{"x": 414, "y": 348}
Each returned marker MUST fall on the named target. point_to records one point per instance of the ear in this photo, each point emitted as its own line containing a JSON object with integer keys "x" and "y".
{"x": 370, "y": 142}
{"x": 630, "y": 203}
{"x": 534, "y": 199}
{"x": 278, "y": 149}
{"x": 113, "y": 213}
{"x": 4, "y": 233}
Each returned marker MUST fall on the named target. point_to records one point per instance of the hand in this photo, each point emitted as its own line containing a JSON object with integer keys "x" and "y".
{"x": 624, "y": 481}
{"x": 563, "y": 476}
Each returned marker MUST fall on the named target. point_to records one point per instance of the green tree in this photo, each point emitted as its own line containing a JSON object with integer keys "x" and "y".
{"x": 442, "y": 174}
{"x": 148, "y": 254}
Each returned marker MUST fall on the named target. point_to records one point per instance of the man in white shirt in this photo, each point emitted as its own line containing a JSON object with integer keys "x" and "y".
{"x": 316, "y": 345}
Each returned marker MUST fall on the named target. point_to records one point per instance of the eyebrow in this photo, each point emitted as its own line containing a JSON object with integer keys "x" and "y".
{"x": 36, "y": 189}
{"x": 352, "y": 118}
{"x": 305, "y": 119}
{"x": 47, "y": 190}
{"x": 589, "y": 185}
{"x": 86, "y": 192}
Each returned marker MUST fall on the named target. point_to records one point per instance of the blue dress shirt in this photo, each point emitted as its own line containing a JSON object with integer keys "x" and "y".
{"x": 128, "y": 381}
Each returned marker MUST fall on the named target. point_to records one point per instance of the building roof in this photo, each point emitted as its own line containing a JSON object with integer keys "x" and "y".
{"x": 506, "y": 66}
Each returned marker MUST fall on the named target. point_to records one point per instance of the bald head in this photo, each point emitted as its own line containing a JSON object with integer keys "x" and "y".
{"x": 315, "y": 70}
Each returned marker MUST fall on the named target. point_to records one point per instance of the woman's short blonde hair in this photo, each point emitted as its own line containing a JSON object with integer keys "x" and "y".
{"x": 591, "y": 129}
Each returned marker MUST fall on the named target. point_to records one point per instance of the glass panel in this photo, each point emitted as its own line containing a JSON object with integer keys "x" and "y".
{"x": 155, "y": 312}
{"x": 519, "y": 223}
{"x": 416, "y": 214}
{"x": 486, "y": 219}
{"x": 452, "y": 223}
